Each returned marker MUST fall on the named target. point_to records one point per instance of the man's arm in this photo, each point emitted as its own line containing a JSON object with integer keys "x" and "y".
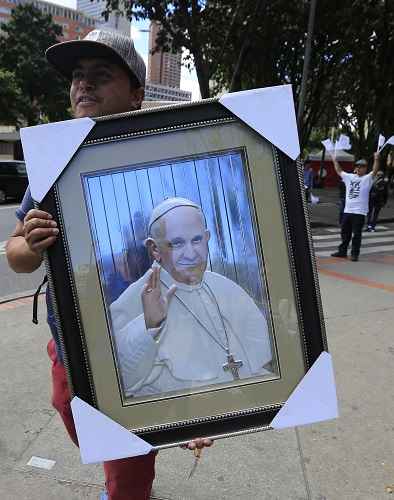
{"x": 376, "y": 164}
{"x": 29, "y": 240}
{"x": 337, "y": 166}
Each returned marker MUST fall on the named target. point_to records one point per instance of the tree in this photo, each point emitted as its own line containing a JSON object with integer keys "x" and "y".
{"x": 238, "y": 45}
{"x": 10, "y": 98}
{"x": 367, "y": 100}
{"x": 203, "y": 28}
{"x": 243, "y": 44}
{"x": 43, "y": 94}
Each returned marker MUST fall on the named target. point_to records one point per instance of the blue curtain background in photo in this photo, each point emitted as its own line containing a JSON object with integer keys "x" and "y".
{"x": 120, "y": 204}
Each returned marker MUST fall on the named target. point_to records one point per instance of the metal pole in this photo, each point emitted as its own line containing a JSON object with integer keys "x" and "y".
{"x": 307, "y": 57}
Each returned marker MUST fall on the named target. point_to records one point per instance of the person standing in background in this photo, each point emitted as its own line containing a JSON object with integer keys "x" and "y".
{"x": 377, "y": 200}
{"x": 358, "y": 185}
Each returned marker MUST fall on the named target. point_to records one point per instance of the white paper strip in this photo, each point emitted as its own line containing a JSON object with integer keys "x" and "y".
{"x": 270, "y": 112}
{"x": 313, "y": 400}
{"x": 41, "y": 463}
{"x": 101, "y": 438}
{"x": 343, "y": 143}
{"x": 390, "y": 140}
{"x": 49, "y": 148}
{"x": 328, "y": 144}
{"x": 381, "y": 141}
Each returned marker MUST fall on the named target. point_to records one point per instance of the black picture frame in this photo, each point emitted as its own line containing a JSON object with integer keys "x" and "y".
{"x": 296, "y": 236}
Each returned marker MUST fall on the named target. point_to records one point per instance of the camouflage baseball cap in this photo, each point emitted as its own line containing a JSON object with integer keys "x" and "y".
{"x": 98, "y": 43}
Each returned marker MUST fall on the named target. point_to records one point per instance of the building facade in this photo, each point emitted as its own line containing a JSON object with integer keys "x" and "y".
{"x": 75, "y": 24}
{"x": 96, "y": 8}
{"x": 164, "y": 68}
{"x": 155, "y": 92}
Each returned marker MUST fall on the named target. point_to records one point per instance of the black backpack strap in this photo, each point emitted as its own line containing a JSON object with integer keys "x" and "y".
{"x": 35, "y": 300}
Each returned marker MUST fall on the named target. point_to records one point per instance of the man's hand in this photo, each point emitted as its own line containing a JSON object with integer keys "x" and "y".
{"x": 197, "y": 444}
{"x": 29, "y": 239}
{"x": 154, "y": 303}
{"x": 39, "y": 230}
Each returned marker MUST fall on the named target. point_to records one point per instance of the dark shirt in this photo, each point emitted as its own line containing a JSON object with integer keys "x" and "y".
{"x": 26, "y": 205}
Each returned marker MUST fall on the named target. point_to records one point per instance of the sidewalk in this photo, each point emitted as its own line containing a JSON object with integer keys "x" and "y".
{"x": 350, "y": 458}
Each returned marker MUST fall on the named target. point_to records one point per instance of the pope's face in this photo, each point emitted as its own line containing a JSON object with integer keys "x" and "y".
{"x": 183, "y": 248}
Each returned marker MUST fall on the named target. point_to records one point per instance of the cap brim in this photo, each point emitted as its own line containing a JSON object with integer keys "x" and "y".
{"x": 64, "y": 56}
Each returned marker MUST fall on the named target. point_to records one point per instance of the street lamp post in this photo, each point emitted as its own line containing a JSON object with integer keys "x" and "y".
{"x": 307, "y": 57}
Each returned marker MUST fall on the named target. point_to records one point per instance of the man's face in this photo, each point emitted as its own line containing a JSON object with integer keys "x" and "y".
{"x": 361, "y": 170}
{"x": 183, "y": 248}
{"x": 100, "y": 87}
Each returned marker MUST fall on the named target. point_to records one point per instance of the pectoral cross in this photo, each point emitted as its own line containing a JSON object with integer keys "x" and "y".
{"x": 232, "y": 365}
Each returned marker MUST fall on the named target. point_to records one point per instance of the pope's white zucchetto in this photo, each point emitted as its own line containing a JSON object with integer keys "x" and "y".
{"x": 166, "y": 206}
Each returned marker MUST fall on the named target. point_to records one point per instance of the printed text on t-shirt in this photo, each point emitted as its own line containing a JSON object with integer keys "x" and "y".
{"x": 354, "y": 189}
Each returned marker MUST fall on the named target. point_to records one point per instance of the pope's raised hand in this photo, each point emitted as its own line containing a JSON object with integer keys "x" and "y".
{"x": 154, "y": 302}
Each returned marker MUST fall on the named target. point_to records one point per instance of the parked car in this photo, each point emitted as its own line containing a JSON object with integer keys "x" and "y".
{"x": 13, "y": 179}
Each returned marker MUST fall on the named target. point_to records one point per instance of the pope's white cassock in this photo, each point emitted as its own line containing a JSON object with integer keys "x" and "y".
{"x": 189, "y": 350}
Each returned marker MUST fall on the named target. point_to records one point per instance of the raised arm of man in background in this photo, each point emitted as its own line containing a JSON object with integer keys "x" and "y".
{"x": 376, "y": 164}
{"x": 337, "y": 166}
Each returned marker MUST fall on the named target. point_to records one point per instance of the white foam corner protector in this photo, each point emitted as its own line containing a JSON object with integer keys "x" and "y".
{"x": 48, "y": 149}
{"x": 101, "y": 438}
{"x": 313, "y": 400}
{"x": 270, "y": 112}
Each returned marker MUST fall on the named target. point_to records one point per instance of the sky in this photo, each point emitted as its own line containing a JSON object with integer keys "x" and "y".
{"x": 188, "y": 80}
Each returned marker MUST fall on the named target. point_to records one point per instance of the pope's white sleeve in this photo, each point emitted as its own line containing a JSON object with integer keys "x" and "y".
{"x": 250, "y": 325}
{"x": 137, "y": 351}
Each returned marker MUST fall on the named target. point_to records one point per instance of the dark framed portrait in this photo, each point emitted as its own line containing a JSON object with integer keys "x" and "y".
{"x": 189, "y": 304}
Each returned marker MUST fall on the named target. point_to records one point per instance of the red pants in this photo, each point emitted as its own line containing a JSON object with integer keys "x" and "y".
{"x": 125, "y": 479}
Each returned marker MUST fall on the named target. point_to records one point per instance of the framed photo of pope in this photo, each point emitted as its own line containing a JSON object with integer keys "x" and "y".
{"x": 188, "y": 259}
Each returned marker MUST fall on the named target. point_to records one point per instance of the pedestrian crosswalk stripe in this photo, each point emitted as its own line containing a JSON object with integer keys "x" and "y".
{"x": 327, "y": 244}
{"x": 363, "y": 251}
{"x": 319, "y": 237}
{"x": 338, "y": 230}
{"x": 2, "y": 247}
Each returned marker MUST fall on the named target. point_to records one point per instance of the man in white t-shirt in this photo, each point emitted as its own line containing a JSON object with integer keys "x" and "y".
{"x": 358, "y": 185}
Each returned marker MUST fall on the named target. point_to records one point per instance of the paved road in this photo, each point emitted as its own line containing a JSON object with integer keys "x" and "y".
{"x": 326, "y": 241}
{"x": 10, "y": 282}
{"x": 350, "y": 458}
{"x": 7, "y": 220}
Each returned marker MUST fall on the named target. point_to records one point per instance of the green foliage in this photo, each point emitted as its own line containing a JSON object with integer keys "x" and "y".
{"x": 42, "y": 92}
{"x": 196, "y": 25}
{"x": 243, "y": 44}
{"x": 367, "y": 80}
{"x": 10, "y": 98}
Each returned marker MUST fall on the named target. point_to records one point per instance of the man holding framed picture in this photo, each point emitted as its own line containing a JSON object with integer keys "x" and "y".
{"x": 107, "y": 77}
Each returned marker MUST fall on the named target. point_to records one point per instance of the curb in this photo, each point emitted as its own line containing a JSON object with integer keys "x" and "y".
{"x": 17, "y": 296}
